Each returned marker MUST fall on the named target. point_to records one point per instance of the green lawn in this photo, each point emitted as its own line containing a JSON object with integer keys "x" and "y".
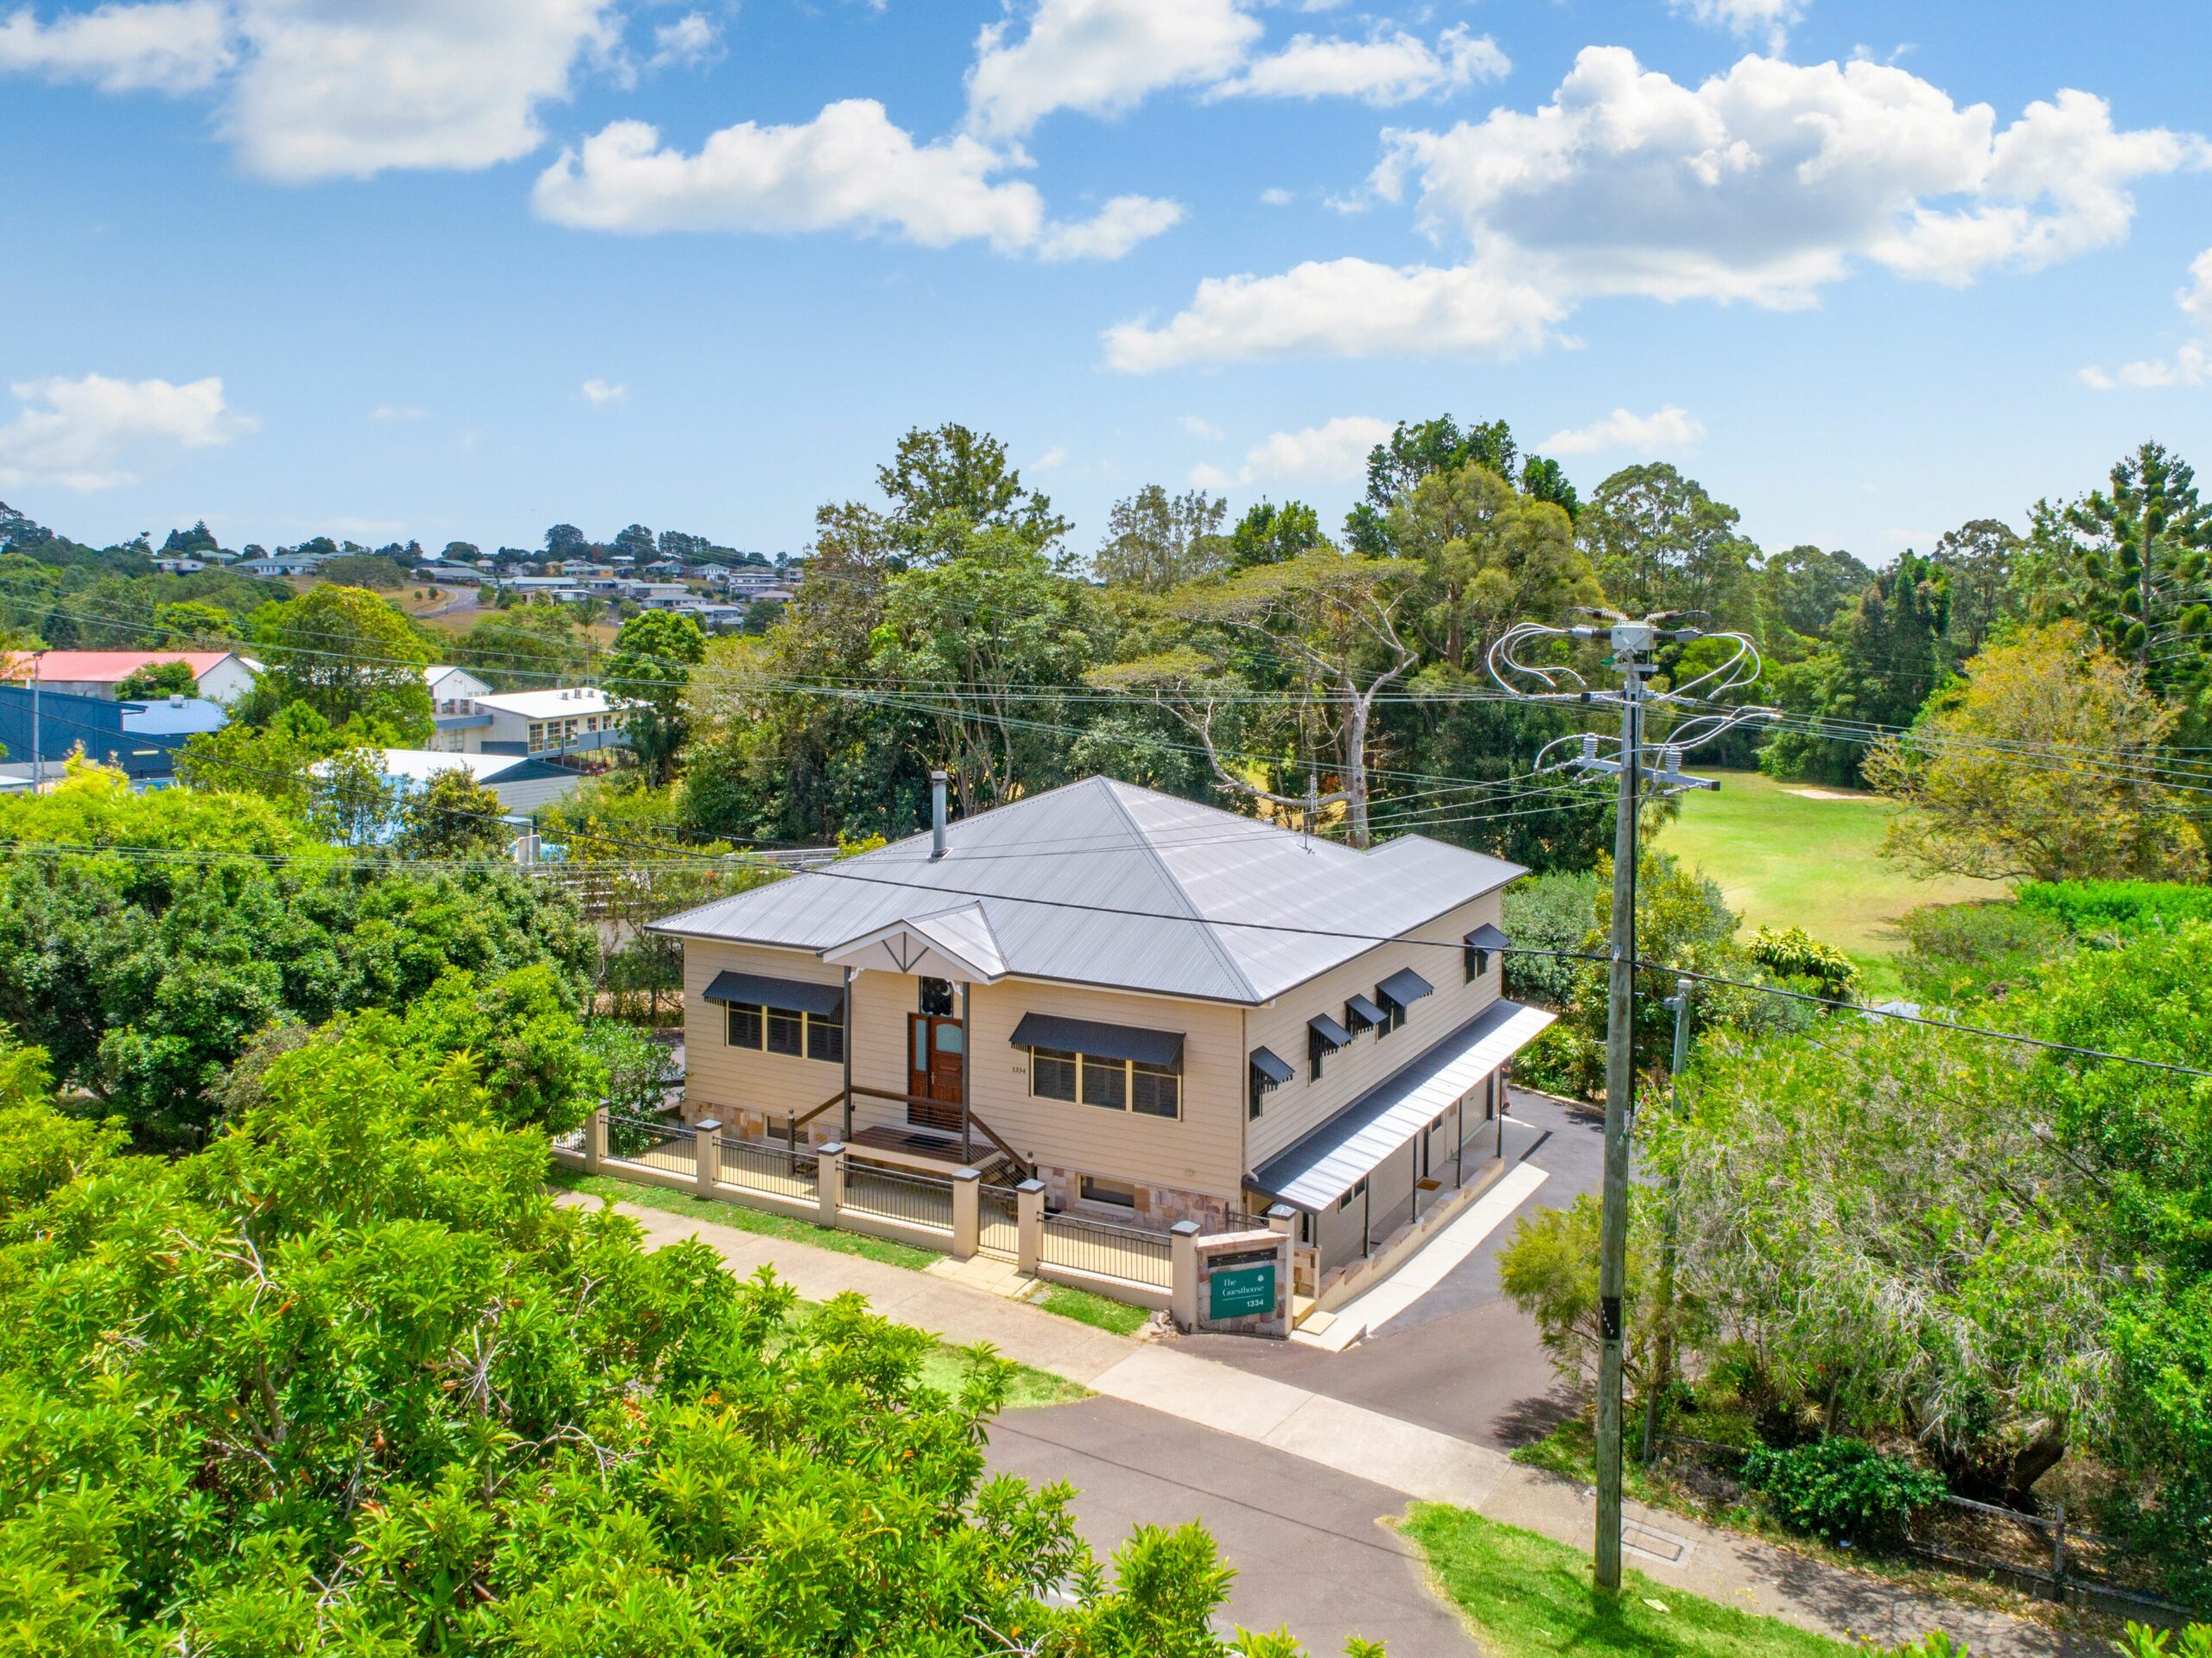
{"x": 1784, "y": 859}
{"x": 1084, "y": 1308}
{"x": 1526, "y": 1597}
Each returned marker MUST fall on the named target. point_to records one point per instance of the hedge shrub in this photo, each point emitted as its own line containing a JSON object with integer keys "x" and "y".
{"x": 2083, "y": 906}
{"x": 1841, "y": 1489}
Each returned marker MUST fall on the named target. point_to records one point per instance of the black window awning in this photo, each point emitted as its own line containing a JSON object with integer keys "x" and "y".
{"x": 1405, "y": 986}
{"x": 1324, "y": 1033}
{"x": 1101, "y": 1041}
{"x": 1362, "y": 1015}
{"x": 1481, "y": 944}
{"x": 1272, "y": 1066}
{"x": 785, "y": 995}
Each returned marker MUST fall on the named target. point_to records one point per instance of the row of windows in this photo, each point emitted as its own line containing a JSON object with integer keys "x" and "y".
{"x": 1111, "y": 1084}
{"x": 774, "y": 1029}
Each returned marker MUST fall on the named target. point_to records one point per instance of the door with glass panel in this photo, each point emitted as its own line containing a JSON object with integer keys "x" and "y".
{"x": 934, "y": 1071}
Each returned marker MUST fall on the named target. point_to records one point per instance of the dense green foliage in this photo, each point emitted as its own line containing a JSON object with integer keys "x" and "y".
{"x": 348, "y": 1381}
{"x": 145, "y": 977}
{"x": 1842, "y": 1489}
{"x": 2084, "y": 907}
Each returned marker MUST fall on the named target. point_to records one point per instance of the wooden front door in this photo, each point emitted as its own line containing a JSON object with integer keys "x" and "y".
{"x": 935, "y": 1069}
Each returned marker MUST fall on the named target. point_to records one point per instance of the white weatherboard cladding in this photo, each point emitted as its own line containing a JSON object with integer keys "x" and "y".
{"x": 1106, "y": 884}
{"x": 1301, "y": 1105}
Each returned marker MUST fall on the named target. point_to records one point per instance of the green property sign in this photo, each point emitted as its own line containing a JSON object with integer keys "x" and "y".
{"x": 1240, "y": 1292}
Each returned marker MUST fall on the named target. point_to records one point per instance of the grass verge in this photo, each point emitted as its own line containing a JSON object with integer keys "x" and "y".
{"x": 1525, "y": 1597}
{"x": 740, "y": 1218}
{"x": 1086, "y": 1308}
{"x": 1567, "y": 1450}
{"x": 1061, "y": 1300}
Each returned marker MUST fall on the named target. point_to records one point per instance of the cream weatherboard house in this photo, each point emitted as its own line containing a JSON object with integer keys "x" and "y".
{"x": 1162, "y": 1011}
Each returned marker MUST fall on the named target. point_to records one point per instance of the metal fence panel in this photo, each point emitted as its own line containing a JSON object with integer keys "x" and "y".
{"x": 1088, "y": 1245}
{"x": 765, "y": 1165}
{"x": 653, "y": 1143}
{"x": 917, "y": 1199}
{"x": 999, "y": 1232}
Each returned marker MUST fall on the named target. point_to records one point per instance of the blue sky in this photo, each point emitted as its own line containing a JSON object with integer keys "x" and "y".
{"x": 463, "y": 268}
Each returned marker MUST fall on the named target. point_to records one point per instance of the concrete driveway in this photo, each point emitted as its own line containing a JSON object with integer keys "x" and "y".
{"x": 1306, "y": 1541}
{"x": 1462, "y": 1359}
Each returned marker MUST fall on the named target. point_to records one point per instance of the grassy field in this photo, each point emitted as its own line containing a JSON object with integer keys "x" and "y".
{"x": 1526, "y": 1597}
{"x": 1783, "y": 858}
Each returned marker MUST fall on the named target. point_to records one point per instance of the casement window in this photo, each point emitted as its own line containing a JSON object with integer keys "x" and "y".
{"x": 777, "y": 1030}
{"x": 1108, "y": 1085}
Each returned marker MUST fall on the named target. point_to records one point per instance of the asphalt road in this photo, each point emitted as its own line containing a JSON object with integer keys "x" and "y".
{"x": 1462, "y": 1360}
{"x": 1307, "y": 1543}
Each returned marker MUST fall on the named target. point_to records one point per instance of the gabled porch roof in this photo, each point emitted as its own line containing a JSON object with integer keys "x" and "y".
{"x": 952, "y": 944}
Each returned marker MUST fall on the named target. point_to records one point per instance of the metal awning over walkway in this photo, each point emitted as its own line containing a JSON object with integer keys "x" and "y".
{"x": 1324, "y": 1165}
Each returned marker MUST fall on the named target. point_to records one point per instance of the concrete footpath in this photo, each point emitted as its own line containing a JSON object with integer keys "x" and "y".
{"x": 1386, "y": 1453}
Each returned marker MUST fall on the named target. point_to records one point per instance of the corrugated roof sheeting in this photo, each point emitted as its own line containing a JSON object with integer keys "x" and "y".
{"x": 1102, "y": 882}
{"x": 1321, "y": 1167}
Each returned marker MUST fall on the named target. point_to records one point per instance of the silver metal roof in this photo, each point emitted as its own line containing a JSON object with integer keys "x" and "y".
{"x": 1104, "y": 883}
{"x": 1321, "y": 1167}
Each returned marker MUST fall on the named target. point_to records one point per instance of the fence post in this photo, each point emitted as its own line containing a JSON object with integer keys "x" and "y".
{"x": 967, "y": 1211}
{"x": 595, "y": 1142}
{"x": 1029, "y": 1226}
{"x": 707, "y": 1154}
{"x": 2058, "y": 1556}
{"x": 1183, "y": 1276}
{"x": 829, "y": 1179}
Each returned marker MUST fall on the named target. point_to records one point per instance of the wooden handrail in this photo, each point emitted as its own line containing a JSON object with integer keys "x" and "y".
{"x": 1028, "y": 1168}
{"x": 792, "y": 1125}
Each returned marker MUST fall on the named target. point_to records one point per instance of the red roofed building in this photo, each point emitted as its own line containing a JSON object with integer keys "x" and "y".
{"x": 220, "y": 675}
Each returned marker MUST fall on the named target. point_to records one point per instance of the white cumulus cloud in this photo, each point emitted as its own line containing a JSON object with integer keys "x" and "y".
{"x": 1773, "y": 18}
{"x": 2189, "y": 365}
{"x": 1117, "y": 227}
{"x": 694, "y": 38}
{"x": 1762, "y": 184}
{"x": 80, "y": 434}
{"x": 600, "y": 393}
{"x": 175, "y": 46}
{"x": 315, "y": 89}
{"x": 1198, "y": 427}
{"x": 849, "y": 167}
{"x": 1667, "y": 427}
{"x": 1100, "y": 56}
{"x": 1331, "y": 452}
{"x": 1341, "y": 307}
{"x": 1386, "y": 68}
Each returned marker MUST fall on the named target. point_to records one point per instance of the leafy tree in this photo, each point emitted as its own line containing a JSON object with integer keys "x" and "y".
{"x": 352, "y": 801}
{"x": 1977, "y": 559}
{"x": 652, "y": 659}
{"x": 1659, "y": 541}
{"x": 343, "y": 651}
{"x": 1157, "y": 541}
{"x": 1333, "y": 618}
{"x": 452, "y": 815}
{"x": 185, "y": 543}
{"x": 1269, "y": 534}
{"x": 156, "y": 682}
{"x": 1959, "y": 953}
{"x": 1417, "y": 449}
{"x": 636, "y": 541}
{"x": 1888, "y": 654}
{"x": 2140, "y": 558}
{"x": 144, "y": 978}
{"x": 953, "y": 470}
{"x": 460, "y": 552}
{"x": 1139, "y": 746}
{"x": 1492, "y": 556}
{"x": 974, "y": 636}
{"x": 1802, "y": 590}
{"x": 196, "y": 623}
{"x": 381, "y": 1395}
{"x": 275, "y": 761}
{"x": 564, "y": 541}
{"x": 2034, "y": 769}
{"x": 1549, "y": 1269}
{"x": 640, "y": 1070}
{"x": 529, "y": 647}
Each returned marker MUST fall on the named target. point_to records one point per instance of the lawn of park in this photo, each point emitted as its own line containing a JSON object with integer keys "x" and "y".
{"x": 1809, "y": 855}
